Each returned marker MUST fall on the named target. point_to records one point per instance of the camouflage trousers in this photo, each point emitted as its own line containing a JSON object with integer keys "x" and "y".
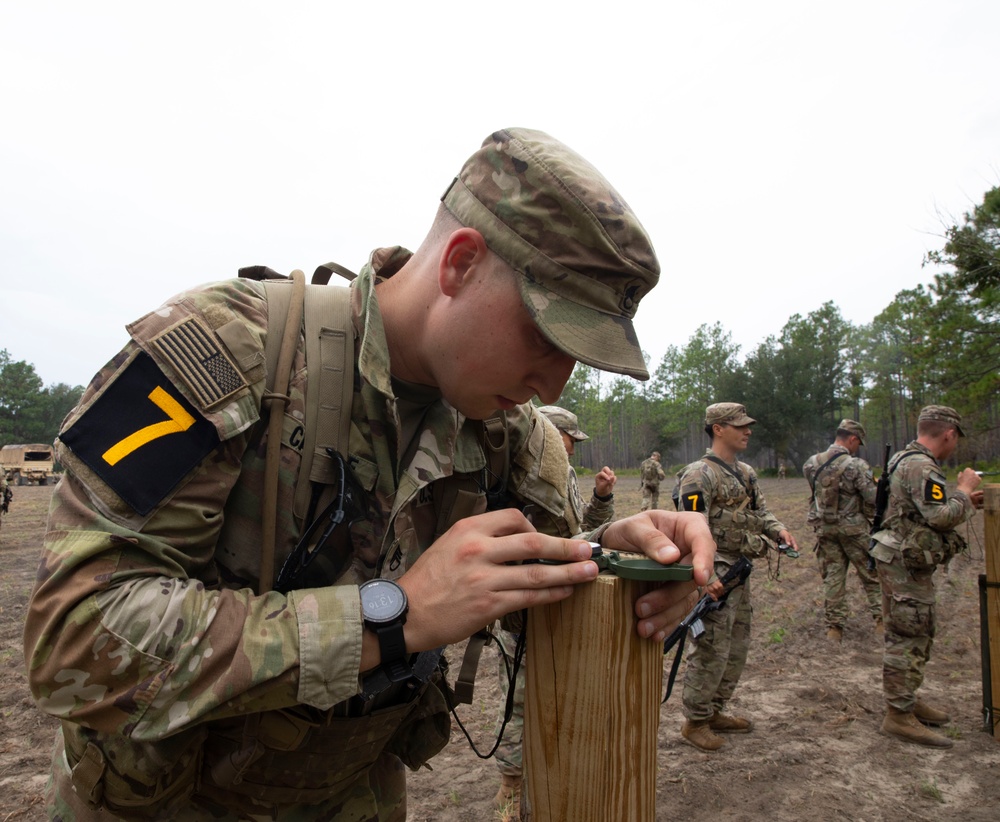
{"x": 837, "y": 552}
{"x": 650, "y": 497}
{"x": 908, "y": 612}
{"x": 509, "y": 753}
{"x": 379, "y": 796}
{"x": 716, "y": 661}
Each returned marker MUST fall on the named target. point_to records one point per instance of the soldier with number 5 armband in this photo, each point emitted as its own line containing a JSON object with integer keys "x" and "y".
{"x": 917, "y": 535}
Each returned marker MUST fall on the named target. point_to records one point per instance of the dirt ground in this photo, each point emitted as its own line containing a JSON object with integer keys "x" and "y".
{"x": 816, "y": 751}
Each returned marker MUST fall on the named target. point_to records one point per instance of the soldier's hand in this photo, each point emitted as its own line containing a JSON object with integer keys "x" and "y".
{"x": 786, "y": 536}
{"x": 667, "y": 537}
{"x": 604, "y": 481}
{"x": 969, "y": 481}
{"x": 464, "y": 580}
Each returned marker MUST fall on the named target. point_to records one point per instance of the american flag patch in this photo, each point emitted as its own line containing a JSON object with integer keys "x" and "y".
{"x": 204, "y": 366}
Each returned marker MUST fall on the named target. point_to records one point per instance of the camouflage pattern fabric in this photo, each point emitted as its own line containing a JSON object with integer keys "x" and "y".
{"x": 739, "y": 523}
{"x": 717, "y": 658}
{"x": 650, "y": 475}
{"x": 144, "y": 633}
{"x": 836, "y": 554}
{"x": 844, "y": 542}
{"x": 918, "y": 533}
{"x": 585, "y": 259}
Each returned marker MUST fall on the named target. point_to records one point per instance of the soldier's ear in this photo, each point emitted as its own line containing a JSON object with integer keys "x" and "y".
{"x": 463, "y": 251}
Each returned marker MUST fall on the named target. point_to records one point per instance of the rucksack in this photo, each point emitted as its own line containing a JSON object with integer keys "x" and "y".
{"x": 827, "y": 497}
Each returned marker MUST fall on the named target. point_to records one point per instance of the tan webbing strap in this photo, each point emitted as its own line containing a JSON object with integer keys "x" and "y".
{"x": 497, "y": 450}
{"x": 466, "y": 682}
{"x": 329, "y": 388}
{"x": 276, "y": 401}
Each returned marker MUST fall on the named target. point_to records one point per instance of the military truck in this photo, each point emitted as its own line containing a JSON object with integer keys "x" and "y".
{"x": 28, "y": 464}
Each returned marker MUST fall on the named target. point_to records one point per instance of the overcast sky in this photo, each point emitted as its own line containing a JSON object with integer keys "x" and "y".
{"x": 780, "y": 154}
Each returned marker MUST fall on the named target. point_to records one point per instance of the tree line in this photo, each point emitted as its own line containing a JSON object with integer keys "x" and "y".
{"x": 937, "y": 343}
{"x": 29, "y": 411}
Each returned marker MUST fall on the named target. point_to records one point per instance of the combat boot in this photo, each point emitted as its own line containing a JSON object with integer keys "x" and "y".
{"x": 835, "y": 634}
{"x": 906, "y": 727}
{"x": 700, "y": 735}
{"x": 508, "y": 799}
{"x": 730, "y": 724}
{"x": 930, "y": 715}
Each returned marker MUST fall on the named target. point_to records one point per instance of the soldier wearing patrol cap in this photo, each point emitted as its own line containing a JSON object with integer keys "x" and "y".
{"x": 593, "y": 514}
{"x": 840, "y": 511}
{"x": 650, "y": 476}
{"x": 191, "y": 679}
{"x": 726, "y": 492}
{"x": 917, "y": 535}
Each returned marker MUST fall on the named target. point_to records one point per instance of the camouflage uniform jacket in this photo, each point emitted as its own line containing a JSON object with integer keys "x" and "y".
{"x": 651, "y": 473}
{"x": 856, "y": 497}
{"x": 920, "y": 520}
{"x": 145, "y": 631}
{"x": 739, "y": 521}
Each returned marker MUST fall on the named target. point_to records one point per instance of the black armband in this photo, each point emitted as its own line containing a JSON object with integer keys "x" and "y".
{"x": 608, "y": 498}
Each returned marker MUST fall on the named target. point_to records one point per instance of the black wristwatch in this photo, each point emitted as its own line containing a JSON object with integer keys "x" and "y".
{"x": 383, "y": 608}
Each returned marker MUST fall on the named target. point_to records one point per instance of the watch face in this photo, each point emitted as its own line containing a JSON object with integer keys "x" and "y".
{"x": 382, "y": 601}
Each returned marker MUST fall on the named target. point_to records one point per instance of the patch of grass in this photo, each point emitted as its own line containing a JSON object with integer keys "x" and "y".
{"x": 929, "y": 790}
{"x": 776, "y": 635}
{"x": 454, "y": 798}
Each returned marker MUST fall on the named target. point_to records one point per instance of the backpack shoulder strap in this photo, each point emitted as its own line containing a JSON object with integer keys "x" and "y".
{"x": 323, "y": 313}
{"x": 812, "y": 482}
{"x": 751, "y": 494}
{"x": 279, "y": 349}
{"x": 329, "y": 336}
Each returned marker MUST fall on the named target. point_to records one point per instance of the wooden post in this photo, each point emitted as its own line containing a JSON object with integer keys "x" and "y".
{"x": 592, "y": 707}
{"x": 991, "y": 513}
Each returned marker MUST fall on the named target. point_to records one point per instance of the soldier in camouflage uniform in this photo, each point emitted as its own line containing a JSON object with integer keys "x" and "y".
{"x": 593, "y": 514}
{"x": 185, "y": 685}
{"x": 650, "y": 476}
{"x": 5, "y": 495}
{"x": 918, "y": 534}
{"x": 840, "y": 511}
{"x": 725, "y": 491}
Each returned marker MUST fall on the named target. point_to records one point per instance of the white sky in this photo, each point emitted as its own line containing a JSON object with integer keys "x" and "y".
{"x": 780, "y": 154}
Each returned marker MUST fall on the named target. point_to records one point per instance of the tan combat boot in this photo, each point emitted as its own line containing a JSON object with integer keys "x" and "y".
{"x": 930, "y": 715}
{"x": 700, "y": 735}
{"x": 507, "y": 802}
{"x": 906, "y": 727}
{"x": 835, "y": 634}
{"x": 730, "y": 724}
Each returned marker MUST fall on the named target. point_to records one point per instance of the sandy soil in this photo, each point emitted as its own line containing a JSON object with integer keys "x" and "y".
{"x": 816, "y": 751}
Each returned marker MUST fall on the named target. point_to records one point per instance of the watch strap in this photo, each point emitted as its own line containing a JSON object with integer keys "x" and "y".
{"x": 392, "y": 646}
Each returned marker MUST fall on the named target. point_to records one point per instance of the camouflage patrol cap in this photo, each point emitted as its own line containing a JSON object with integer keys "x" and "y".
{"x": 565, "y": 421}
{"x": 852, "y": 427}
{"x": 584, "y": 258}
{"x": 727, "y": 413}
{"x": 942, "y": 413}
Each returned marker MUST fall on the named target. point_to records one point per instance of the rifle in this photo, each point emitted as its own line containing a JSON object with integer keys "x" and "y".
{"x": 732, "y": 579}
{"x": 881, "y": 503}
